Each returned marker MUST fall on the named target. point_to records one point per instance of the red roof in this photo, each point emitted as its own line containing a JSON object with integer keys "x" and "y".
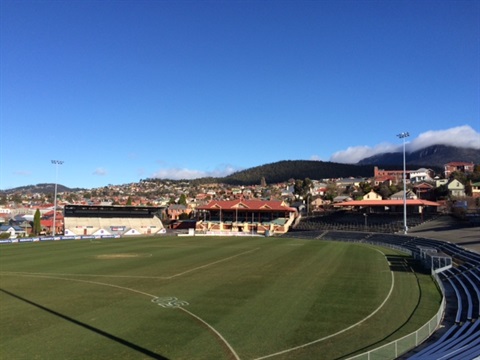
{"x": 384, "y": 178}
{"x": 49, "y": 223}
{"x": 423, "y": 186}
{"x": 257, "y": 205}
{"x": 48, "y": 214}
{"x": 410, "y": 202}
{"x": 458, "y": 163}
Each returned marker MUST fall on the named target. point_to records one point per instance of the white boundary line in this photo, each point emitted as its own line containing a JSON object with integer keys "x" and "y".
{"x": 132, "y": 276}
{"x": 82, "y": 275}
{"x": 215, "y": 331}
{"x": 210, "y": 264}
{"x": 142, "y": 293}
{"x": 121, "y": 256}
{"x": 48, "y": 276}
{"x": 392, "y": 285}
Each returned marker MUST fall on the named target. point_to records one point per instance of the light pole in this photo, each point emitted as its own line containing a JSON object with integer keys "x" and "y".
{"x": 56, "y": 163}
{"x": 402, "y": 136}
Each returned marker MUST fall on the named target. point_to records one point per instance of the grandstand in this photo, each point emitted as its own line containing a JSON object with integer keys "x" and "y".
{"x": 345, "y": 220}
{"x": 112, "y": 220}
{"x": 245, "y": 216}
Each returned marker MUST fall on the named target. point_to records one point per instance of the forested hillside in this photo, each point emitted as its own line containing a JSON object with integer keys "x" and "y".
{"x": 297, "y": 169}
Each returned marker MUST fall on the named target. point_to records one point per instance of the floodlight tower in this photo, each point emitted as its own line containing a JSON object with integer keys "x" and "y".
{"x": 402, "y": 136}
{"x": 56, "y": 163}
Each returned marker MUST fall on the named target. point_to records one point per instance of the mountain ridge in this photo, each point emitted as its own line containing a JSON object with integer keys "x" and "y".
{"x": 430, "y": 156}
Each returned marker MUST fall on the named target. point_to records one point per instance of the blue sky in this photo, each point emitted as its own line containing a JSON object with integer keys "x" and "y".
{"x": 127, "y": 90}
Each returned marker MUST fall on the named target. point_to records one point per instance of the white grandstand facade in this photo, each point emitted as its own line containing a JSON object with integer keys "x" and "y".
{"x": 112, "y": 220}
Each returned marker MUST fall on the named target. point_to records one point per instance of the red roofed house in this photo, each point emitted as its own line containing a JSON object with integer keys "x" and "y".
{"x": 395, "y": 176}
{"x": 466, "y": 167}
{"x": 245, "y": 216}
{"x": 174, "y": 211}
{"x": 47, "y": 226}
{"x": 46, "y": 222}
{"x": 424, "y": 190}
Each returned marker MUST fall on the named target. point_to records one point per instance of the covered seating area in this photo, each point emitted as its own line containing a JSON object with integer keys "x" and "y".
{"x": 235, "y": 217}
{"x": 385, "y": 216}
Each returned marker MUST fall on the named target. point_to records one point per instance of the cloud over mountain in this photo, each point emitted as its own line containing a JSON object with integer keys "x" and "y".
{"x": 188, "y": 174}
{"x": 461, "y": 136}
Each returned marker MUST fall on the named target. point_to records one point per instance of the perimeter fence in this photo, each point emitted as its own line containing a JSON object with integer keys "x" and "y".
{"x": 401, "y": 346}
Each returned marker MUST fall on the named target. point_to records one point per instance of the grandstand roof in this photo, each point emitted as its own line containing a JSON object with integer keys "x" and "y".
{"x": 410, "y": 202}
{"x": 256, "y": 205}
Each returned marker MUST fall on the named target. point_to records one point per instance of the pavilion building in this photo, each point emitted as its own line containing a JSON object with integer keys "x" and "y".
{"x": 236, "y": 217}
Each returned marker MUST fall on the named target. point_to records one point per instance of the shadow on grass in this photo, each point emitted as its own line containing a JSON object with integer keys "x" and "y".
{"x": 405, "y": 263}
{"x": 91, "y": 328}
{"x": 398, "y": 263}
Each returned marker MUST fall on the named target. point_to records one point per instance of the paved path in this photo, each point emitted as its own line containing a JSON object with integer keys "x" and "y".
{"x": 447, "y": 228}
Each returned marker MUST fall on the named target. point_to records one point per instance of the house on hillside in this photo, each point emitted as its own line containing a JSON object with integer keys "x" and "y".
{"x": 386, "y": 180}
{"x": 394, "y": 175}
{"x": 424, "y": 190}
{"x": 372, "y": 195}
{"x": 318, "y": 204}
{"x": 476, "y": 189}
{"x": 451, "y": 167}
{"x": 421, "y": 174}
{"x": 346, "y": 183}
{"x": 399, "y": 195}
{"x": 174, "y": 211}
{"x": 455, "y": 188}
{"x": 236, "y": 192}
{"x": 341, "y": 198}
{"x": 13, "y": 230}
{"x": 319, "y": 188}
{"x": 201, "y": 197}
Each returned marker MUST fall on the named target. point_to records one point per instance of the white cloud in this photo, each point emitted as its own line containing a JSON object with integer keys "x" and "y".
{"x": 177, "y": 174}
{"x": 460, "y": 136}
{"x": 315, "y": 158}
{"x": 188, "y": 174}
{"x": 100, "y": 172}
{"x": 356, "y": 153}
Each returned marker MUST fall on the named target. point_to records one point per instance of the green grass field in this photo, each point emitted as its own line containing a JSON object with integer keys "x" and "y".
{"x": 206, "y": 298}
